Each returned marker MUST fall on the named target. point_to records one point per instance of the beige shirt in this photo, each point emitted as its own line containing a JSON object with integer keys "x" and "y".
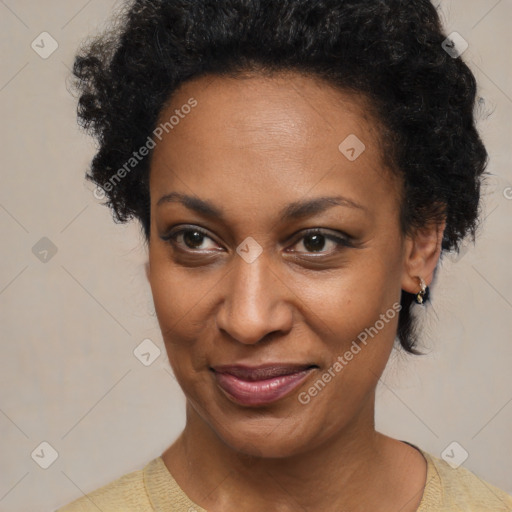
{"x": 154, "y": 489}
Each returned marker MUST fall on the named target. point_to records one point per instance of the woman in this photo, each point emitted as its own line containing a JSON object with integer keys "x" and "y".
{"x": 298, "y": 168}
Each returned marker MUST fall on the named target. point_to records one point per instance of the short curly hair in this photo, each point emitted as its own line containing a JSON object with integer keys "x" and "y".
{"x": 390, "y": 51}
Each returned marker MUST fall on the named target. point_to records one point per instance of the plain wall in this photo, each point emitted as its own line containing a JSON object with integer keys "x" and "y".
{"x": 68, "y": 375}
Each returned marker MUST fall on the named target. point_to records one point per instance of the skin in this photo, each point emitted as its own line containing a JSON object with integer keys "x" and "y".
{"x": 251, "y": 146}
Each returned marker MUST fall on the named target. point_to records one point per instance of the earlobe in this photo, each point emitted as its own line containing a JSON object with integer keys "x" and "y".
{"x": 421, "y": 255}
{"x": 423, "y": 294}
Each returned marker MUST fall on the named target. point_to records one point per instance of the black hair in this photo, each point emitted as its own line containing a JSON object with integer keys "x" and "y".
{"x": 390, "y": 51}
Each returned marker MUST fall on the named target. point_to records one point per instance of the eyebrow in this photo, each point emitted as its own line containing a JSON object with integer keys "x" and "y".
{"x": 294, "y": 210}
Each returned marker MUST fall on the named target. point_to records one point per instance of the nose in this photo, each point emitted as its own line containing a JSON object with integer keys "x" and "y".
{"x": 256, "y": 302}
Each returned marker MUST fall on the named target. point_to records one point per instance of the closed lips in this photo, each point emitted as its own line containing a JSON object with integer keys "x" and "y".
{"x": 261, "y": 372}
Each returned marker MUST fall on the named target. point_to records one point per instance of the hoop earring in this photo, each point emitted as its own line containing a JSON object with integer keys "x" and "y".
{"x": 422, "y": 295}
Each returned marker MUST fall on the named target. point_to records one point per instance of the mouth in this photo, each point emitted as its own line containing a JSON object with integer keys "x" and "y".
{"x": 261, "y": 385}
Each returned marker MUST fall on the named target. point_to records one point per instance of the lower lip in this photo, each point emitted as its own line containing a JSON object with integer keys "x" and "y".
{"x": 260, "y": 392}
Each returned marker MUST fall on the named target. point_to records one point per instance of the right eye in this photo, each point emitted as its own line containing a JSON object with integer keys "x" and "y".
{"x": 188, "y": 239}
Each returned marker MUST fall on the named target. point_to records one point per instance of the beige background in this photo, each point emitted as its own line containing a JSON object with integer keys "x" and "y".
{"x": 68, "y": 375}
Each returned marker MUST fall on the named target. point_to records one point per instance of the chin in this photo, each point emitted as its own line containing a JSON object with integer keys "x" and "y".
{"x": 275, "y": 437}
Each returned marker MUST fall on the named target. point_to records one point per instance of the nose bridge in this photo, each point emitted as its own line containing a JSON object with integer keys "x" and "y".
{"x": 253, "y": 304}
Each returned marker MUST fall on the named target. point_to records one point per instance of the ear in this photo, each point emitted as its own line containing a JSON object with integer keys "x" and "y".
{"x": 146, "y": 266}
{"x": 421, "y": 255}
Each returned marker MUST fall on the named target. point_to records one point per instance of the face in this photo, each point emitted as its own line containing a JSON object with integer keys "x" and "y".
{"x": 239, "y": 278}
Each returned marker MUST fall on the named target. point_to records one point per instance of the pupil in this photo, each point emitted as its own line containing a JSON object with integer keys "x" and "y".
{"x": 315, "y": 245}
{"x": 197, "y": 238}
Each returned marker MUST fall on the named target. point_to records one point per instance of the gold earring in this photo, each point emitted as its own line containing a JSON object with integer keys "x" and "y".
{"x": 421, "y": 295}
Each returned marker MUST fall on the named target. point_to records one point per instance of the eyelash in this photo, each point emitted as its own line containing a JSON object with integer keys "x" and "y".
{"x": 340, "y": 242}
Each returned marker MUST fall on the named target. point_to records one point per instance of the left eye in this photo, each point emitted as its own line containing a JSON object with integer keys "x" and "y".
{"x": 315, "y": 240}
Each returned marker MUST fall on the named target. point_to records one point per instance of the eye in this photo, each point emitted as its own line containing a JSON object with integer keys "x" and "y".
{"x": 315, "y": 240}
{"x": 191, "y": 239}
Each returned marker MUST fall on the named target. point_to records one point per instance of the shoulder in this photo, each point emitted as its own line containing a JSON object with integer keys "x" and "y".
{"x": 460, "y": 490}
{"x": 127, "y": 493}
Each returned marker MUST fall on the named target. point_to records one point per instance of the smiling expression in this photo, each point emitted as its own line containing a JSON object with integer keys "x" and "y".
{"x": 257, "y": 166}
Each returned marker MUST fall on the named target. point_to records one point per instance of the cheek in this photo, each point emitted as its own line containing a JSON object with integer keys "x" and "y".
{"x": 357, "y": 347}
{"x": 352, "y": 299}
{"x": 184, "y": 301}
{"x": 359, "y": 332}
{"x": 358, "y": 311}
{"x": 179, "y": 294}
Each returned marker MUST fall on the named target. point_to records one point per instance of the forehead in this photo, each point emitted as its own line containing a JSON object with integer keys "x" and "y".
{"x": 256, "y": 132}
{"x": 300, "y": 108}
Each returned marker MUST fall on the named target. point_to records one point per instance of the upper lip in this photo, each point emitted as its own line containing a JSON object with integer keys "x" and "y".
{"x": 261, "y": 372}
